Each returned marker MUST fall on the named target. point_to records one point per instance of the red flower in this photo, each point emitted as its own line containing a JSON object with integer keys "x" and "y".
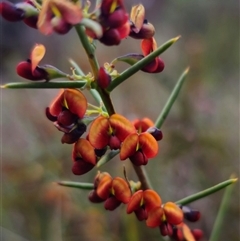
{"x": 20, "y": 11}
{"x": 114, "y": 20}
{"x": 139, "y": 148}
{"x": 31, "y": 70}
{"x": 113, "y": 191}
{"x": 83, "y": 156}
{"x": 143, "y": 124}
{"x": 140, "y": 27}
{"x": 110, "y": 131}
{"x": 142, "y": 202}
{"x": 66, "y": 110}
{"x": 169, "y": 212}
{"x": 148, "y": 46}
{"x": 58, "y": 16}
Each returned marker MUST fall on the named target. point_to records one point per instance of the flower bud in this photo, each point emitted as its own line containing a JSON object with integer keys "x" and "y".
{"x": 139, "y": 158}
{"x": 114, "y": 143}
{"x": 10, "y": 12}
{"x": 118, "y": 18}
{"x": 197, "y": 233}
{"x": 104, "y": 78}
{"x": 147, "y": 31}
{"x": 24, "y": 69}
{"x": 94, "y": 198}
{"x": 66, "y": 118}
{"x": 191, "y": 215}
{"x": 155, "y": 132}
{"x": 111, "y": 37}
{"x": 111, "y": 203}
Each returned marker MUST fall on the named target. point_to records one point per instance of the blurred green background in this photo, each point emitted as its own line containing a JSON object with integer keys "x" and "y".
{"x": 200, "y": 147}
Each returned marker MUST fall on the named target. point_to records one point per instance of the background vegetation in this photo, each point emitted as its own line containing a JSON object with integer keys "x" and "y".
{"x": 200, "y": 147}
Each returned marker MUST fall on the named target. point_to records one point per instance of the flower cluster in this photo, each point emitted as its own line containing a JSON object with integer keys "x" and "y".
{"x": 96, "y": 131}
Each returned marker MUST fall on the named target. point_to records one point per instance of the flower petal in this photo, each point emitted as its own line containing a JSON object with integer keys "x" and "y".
{"x": 154, "y": 217}
{"x": 80, "y": 167}
{"x": 173, "y": 213}
{"x": 148, "y": 144}
{"x": 70, "y": 12}
{"x": 148, "y": 45}
{"x": 151, "y": 199}
{"x": 121, "y": 125}
{"x": 137, "y": 16}
{"x": 103, "y": 188}
{"x": 135, "y": 201}
{"x": 98, "y": 132}
{"x": 121, "y": 189}
{"x": 76, "y": 102}
{"x": 142, "y": 125}
{"x": 83, "y": 149}
{"x": 56, "y": 106}
{"x": 37, "y": 54}
{"x": 129, "y": 146}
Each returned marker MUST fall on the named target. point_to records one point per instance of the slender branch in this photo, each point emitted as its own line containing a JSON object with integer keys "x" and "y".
{"x": 81, "y": 185}
{"x": 140, "y": 64}
{"x": 206, "y": 192}
{"x": 218, "y": 224}
{"x": 45, "y": 85}
{"x": 163, "y": 115}
{"x": 143, "y": 177}
{"x": 90, "y": 51}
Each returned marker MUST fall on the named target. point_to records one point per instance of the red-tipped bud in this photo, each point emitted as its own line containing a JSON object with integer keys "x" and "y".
{"x": 197, "y": 233}
{"x": 166, "y": 229}
{"x": 156, "y": 133}
{"x": 191, "y": 215}
{"x": 139, "y": 158}
{"x": 141, "y": 214}
{"x": 66, "y": 118}
{"x": 104, "y": 78}
{"x": 114, "y": 143}
{"x": 147, "y": 31}
{"x": 24, "y": 69}
{"x": 10, "y": 12}
{"x": 80, "y": 167}
{"x": 111, "y": 37}
{"x": 111, "y": 203}
{"x": 117, "y": 19}
{"x": 94, "y": 198}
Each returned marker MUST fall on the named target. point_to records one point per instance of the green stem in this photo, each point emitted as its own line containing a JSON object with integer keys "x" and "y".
{"x": 140, "y": 64}
{"x": 218, "y": 225}
{"x": 163, "y": 115}
{"x": 90, "y": 51}
{"x": 143, "y": 177}
{"x": 206, "y": 192}
{"x": 81, "y": 185}
{"x": 45, "y": 85}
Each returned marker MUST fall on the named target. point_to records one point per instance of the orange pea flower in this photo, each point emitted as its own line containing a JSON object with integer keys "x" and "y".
{"x": 83, "y": 156}
{"x": 148, "y": 46}
{"x": 113, "y": 191}
{"x": 143, "y": 124}
{"x": 183, "y": 233}
{"x": 142, "y": 202}
{"x": 110, "y": 131}
{"x": 139, "y": 148}
{"x": 169, "y": 213}
{"x": 66, "y": 110}
{"x": 58, "y": 16}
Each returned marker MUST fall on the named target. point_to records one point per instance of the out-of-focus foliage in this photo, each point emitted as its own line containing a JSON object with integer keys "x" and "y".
{"x": 201, "y": 135}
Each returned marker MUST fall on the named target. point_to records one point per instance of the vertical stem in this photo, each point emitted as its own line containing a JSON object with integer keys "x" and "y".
{"x": 90, "y": 51}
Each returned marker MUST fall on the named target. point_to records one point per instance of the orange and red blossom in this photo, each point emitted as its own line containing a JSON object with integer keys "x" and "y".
{"x": 110, "y": 131}
{"x": 142, "y": 202}
{"x": 113, "y": 191}
{"x": 139, "y": 148}
{"x": 83, "y": 156}
{"x": 168, "y": 212}
{"x": 140, "y": 27}
{"x": 148, "y": 46}
{"x": 143, "y": 124}
{"x": 67, "y": 111}
{"x": 182, "y": 232}
{"x": 114, "y": 21}
{"x": 25, "y": 11}
{"x": 58, "y": 16}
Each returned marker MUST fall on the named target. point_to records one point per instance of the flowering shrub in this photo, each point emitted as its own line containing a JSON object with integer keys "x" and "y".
{"x": 96, "y": 132}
